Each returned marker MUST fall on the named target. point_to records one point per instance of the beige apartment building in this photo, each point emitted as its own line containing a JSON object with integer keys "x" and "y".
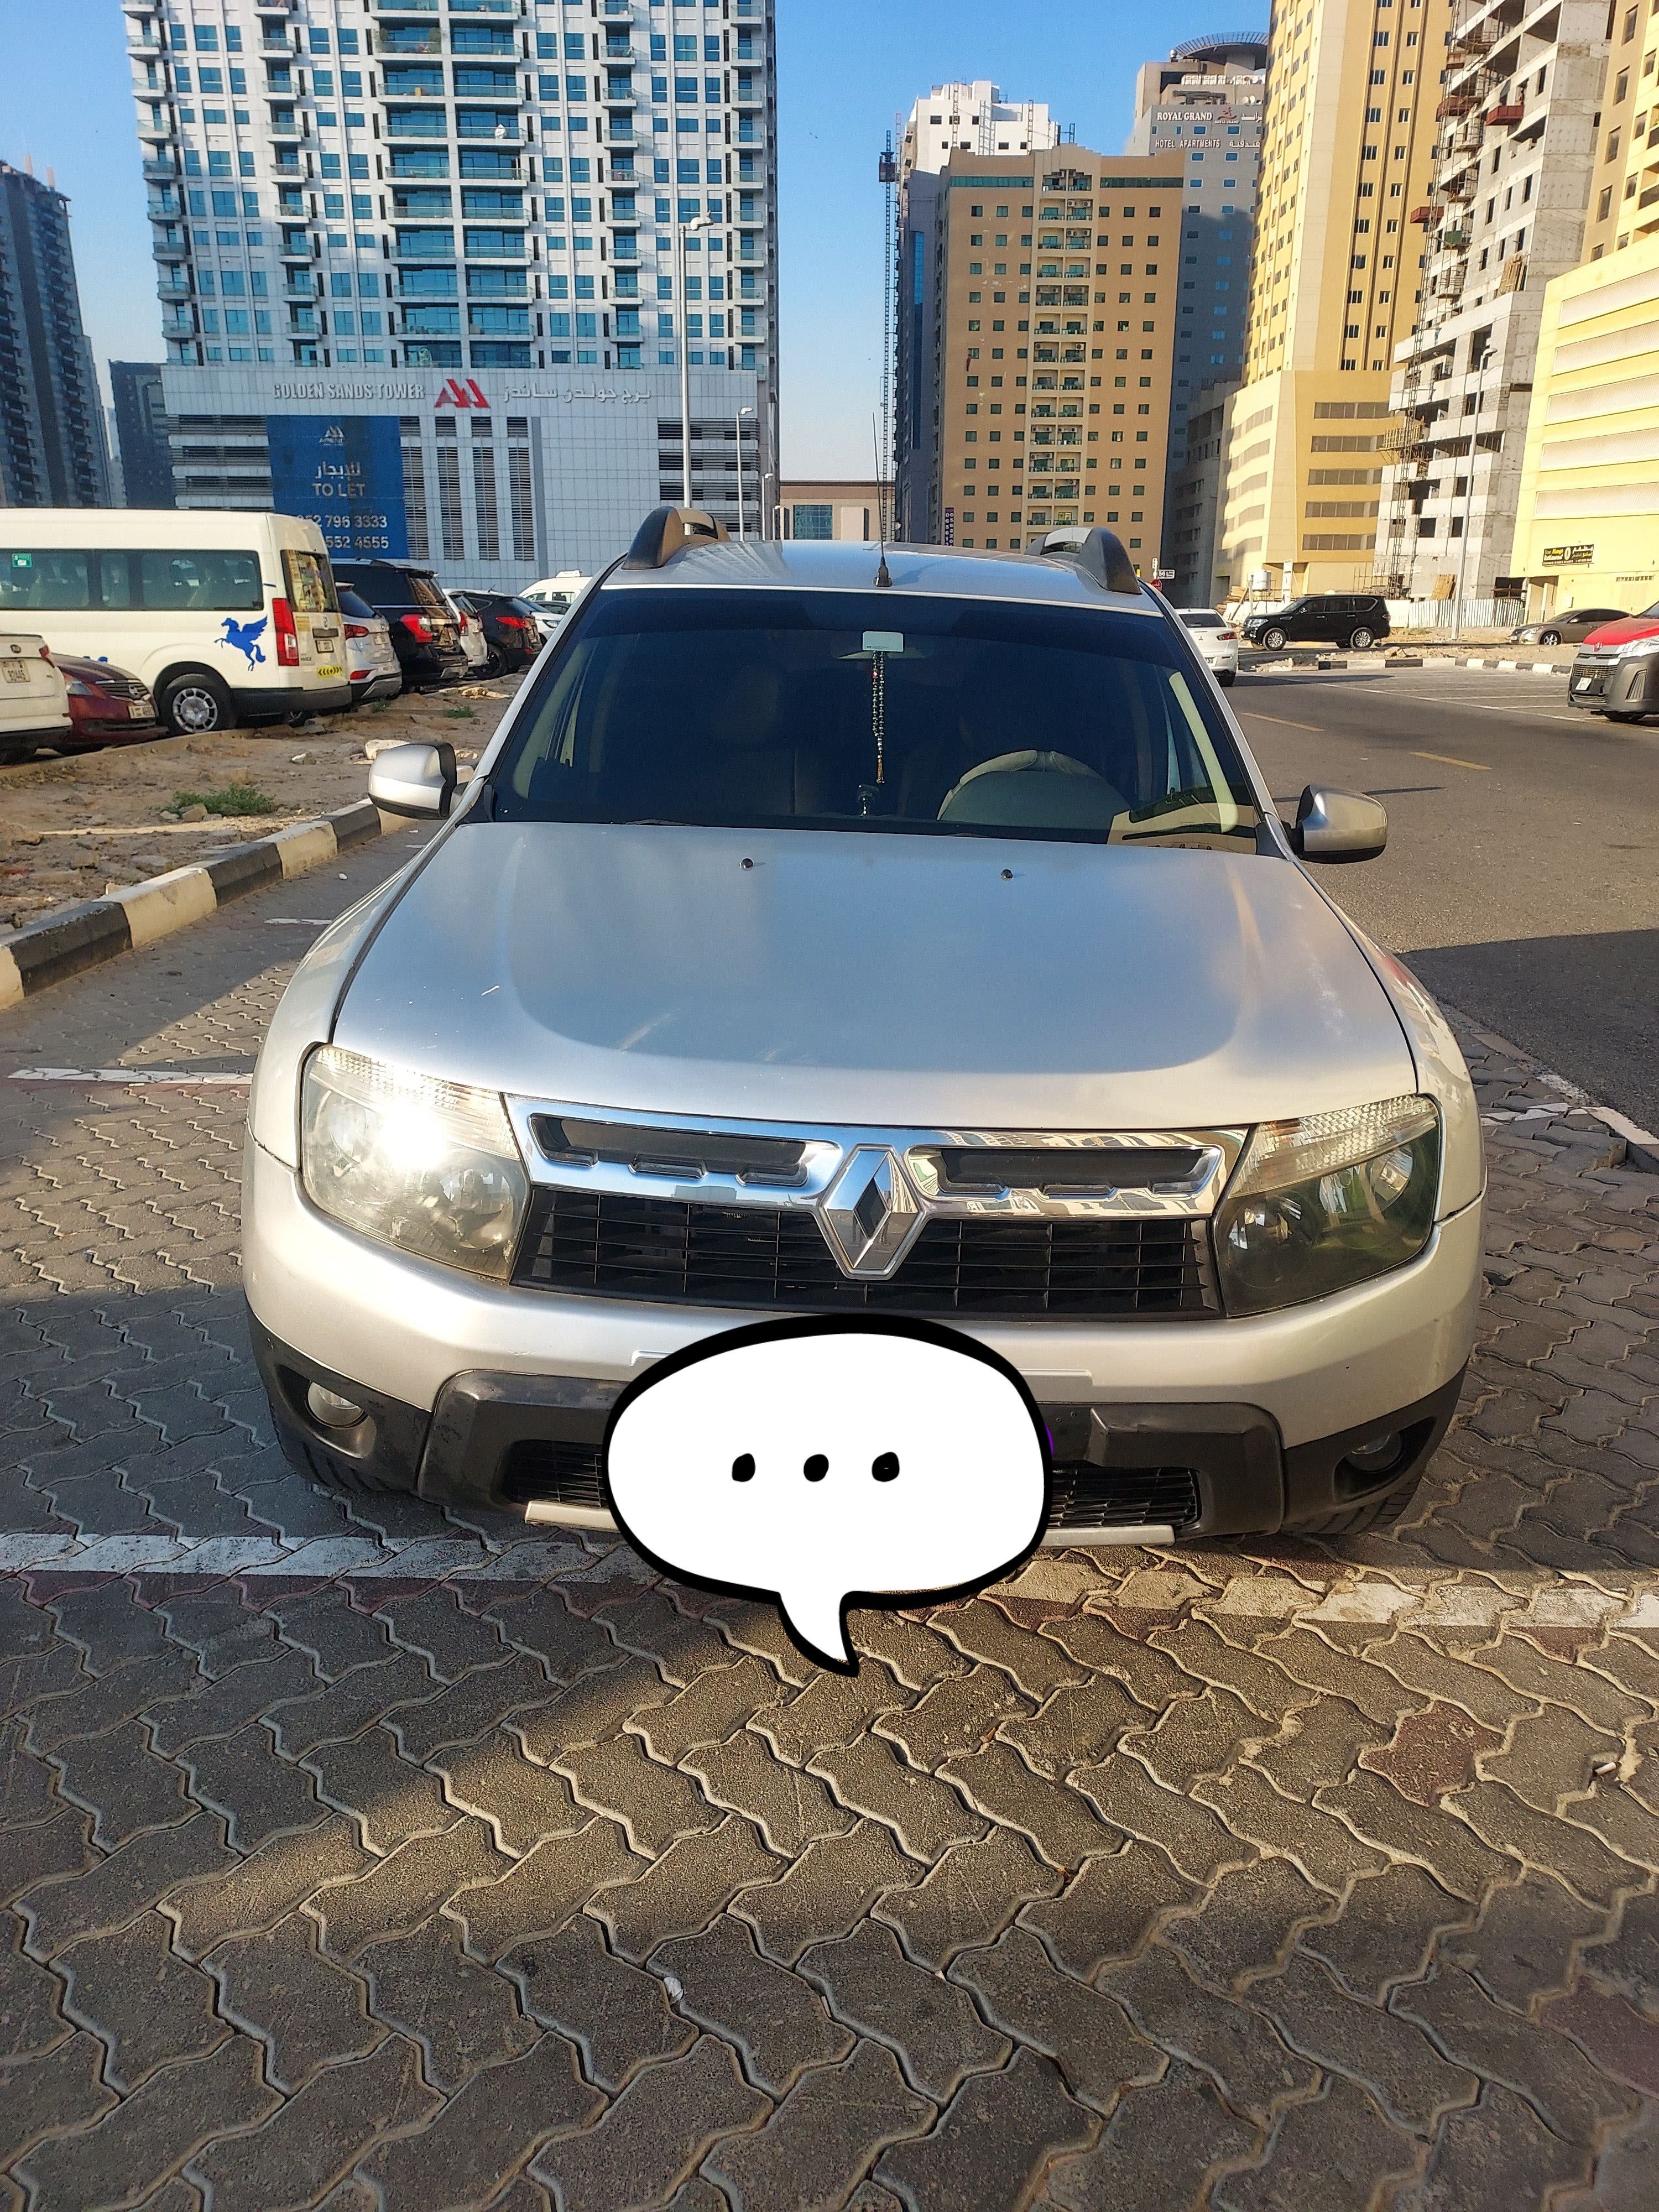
{"x": 1035, "y": 389}
{"x": 834, "y": 506}
{"x": 1587, "y": 528}
{"x": 1336, "y": 282}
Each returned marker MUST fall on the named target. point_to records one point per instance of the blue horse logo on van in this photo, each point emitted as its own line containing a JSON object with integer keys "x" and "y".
{"x": 246, "y": 637}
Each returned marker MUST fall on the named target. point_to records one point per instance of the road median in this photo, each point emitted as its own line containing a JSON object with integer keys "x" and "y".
{"x": 84, "y": 936}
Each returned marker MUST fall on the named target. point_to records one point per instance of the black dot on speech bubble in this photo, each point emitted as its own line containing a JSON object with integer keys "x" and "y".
{"x": 815, "y": 1468}
{"x": 884, "y": 1467}
{"x": 743, "y": 1467}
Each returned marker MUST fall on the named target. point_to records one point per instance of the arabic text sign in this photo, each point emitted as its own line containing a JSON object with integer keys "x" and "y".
{"x": 346, "y": 473}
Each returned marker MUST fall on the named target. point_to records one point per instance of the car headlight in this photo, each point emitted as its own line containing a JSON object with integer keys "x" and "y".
{"x": 430, "y": 1167}
{"x": 1639, "y": 648}
{"x": 1319, "y": 1205}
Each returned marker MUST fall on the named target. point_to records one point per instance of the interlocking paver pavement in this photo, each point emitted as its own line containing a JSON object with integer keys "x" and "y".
{"x": 359, "y": 1856}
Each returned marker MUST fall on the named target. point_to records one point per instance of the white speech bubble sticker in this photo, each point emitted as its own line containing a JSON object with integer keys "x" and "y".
{"x": 820, "y": 1461}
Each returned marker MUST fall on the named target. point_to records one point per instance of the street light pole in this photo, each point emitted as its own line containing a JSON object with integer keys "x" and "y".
{"x": 743, "y": 530}
{"x": 701, "y": 223}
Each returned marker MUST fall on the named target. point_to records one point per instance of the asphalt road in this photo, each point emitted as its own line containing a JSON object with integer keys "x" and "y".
{"x": 1521, "y": 877}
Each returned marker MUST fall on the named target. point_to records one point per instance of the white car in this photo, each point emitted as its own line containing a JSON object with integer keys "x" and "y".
{"x": 554, "y": 595}
{"x": 474, "y": 643}
{"x": 372, "y": 668}
{"x": 33, "y": 696}
{"x": 1215, "y": 638}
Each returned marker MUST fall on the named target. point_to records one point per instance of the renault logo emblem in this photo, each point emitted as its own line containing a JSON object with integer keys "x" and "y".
{"x": 870, "y": 1215}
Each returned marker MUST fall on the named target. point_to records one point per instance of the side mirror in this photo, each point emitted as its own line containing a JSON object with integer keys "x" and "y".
{"x": 1336, "y": 826}
{"x": 416, "y": 779}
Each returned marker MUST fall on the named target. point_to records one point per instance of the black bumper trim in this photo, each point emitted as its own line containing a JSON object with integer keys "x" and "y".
{"x": 1249, "y": 1482}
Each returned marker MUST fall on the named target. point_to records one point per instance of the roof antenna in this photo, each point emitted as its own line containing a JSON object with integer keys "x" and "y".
{"x": 883, "y": 582}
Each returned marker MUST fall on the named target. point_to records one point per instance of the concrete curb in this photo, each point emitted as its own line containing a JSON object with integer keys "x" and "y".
{"x": 82, "y": 936}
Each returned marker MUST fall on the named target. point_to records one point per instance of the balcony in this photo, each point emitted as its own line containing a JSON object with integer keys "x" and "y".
{"x": 276, "y": 42}
{"x": 173, "y": 284}
{"x": 1454, "y": 241}
{"x": 1454, "y": 103}
{"x": 144, "y": 45}
{"x": 158, "y": 133}
{"x": 1499, "y": 118}
{"x": 160, "y": 168}
{"x": 273, "y": 7}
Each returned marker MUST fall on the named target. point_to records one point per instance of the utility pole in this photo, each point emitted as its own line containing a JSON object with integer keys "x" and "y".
{"x": 743, "y": 528}
{"x": 887, "y": 172}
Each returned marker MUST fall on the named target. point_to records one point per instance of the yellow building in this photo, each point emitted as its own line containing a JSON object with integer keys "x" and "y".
{"x": 1587, "y": 526}
{"x": 1336, "y": 284}
{"x": 1586, "y": 529}
{"x": 1041, "y": 378}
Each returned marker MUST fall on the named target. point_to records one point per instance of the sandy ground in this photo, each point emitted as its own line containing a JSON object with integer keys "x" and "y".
{"x": 73, "y": 829}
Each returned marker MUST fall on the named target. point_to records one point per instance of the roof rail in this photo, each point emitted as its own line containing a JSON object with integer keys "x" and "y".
{"x": 1098, "y": 553}
{"x": 667, "y": 530}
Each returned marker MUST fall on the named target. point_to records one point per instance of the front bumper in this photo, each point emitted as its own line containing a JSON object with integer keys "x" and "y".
{"x": 1618, "y": 687}
{"x": 496, "y": 1396}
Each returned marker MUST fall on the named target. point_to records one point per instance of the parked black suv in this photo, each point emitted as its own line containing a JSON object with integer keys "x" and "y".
{"x": 425, "y": 635}
{"x": 510, "y": 628}
{"x": 1350, "y": 619}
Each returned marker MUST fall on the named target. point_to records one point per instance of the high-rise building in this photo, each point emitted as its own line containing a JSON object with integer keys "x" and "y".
{"x": 1347, "y": 146}
{"x": 1203, "y": 105}
{"x": 1589, "y": 486}
{"x": 388, "y": 235}
{"x": 1192, "y": 504}
{"x": 52, "y": 449}
{"x": 952, "y": 119}
{"x": 1035, "y": 389}
{"x": 140, "y": 416}
{"x": 1505, "y": 212}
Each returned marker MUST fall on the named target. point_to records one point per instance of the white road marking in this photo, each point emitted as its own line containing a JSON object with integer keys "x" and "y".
{"x": 128, "y": 1078}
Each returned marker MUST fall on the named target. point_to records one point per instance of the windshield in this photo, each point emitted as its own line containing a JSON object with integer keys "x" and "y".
{"x": 842, "y": 710}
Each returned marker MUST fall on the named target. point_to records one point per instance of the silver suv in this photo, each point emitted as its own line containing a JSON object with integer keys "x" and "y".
{"x": 825, "y": 931}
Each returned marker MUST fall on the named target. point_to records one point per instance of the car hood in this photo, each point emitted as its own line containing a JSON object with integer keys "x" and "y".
{"x": 1622, "y": 633}
{"x": 872, "y": 979}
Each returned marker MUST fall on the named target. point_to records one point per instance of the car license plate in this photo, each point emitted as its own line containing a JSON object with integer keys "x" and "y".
{"x": 17, "y": 671}
{"x": 1588, "y": 684}
{"x": 331, "y": 670}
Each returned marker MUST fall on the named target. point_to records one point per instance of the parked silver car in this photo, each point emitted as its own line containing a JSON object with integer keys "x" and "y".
{"x": 824, "y": 931}
{"x": 372, "y": 668}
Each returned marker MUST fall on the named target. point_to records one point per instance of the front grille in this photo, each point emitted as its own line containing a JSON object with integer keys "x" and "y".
{"x": 604, "y": 1246}
{"x": 1084, "y": 1497}
{"x": 568, "y": 1473}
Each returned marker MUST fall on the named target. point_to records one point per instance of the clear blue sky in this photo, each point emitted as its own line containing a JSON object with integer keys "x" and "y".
{"x": 844, "y": 71}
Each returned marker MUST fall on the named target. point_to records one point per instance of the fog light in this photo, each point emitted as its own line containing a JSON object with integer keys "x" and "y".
{"x": 330, "y": 1410}
{"x": 1377, "y": 1456}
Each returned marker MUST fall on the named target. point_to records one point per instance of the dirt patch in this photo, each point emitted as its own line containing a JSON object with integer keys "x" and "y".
{"x": 72, "y": 829}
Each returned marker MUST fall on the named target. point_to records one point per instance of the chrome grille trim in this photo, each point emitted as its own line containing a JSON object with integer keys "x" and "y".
{"x": 825, "y": 1148}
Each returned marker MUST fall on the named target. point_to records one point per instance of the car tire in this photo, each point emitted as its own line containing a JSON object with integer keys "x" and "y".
{"x": 1273, "y": 641}
{"x": 1360, "y": 640}
{"x": 195, "y": 705}
{"x": 1225, "y": 675}
{"x": 492, "y": 663}
{"x": 1549, "y": 637}
{"x": 1614, "y": 714}
{"x": 1357, "y": 1520}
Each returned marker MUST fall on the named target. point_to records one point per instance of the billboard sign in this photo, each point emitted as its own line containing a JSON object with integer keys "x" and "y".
{"x": 346, "y": 473}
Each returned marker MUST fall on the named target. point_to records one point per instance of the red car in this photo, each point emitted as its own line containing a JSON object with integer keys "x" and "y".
{"x": 106, "y": 705}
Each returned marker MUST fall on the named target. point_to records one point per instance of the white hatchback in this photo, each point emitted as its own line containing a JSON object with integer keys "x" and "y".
{"x": 1216, "y": 639}
{"x": 33, "y": 696}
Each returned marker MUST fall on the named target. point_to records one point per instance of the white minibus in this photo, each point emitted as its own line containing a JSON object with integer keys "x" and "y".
{"x": 228, "y": 617}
